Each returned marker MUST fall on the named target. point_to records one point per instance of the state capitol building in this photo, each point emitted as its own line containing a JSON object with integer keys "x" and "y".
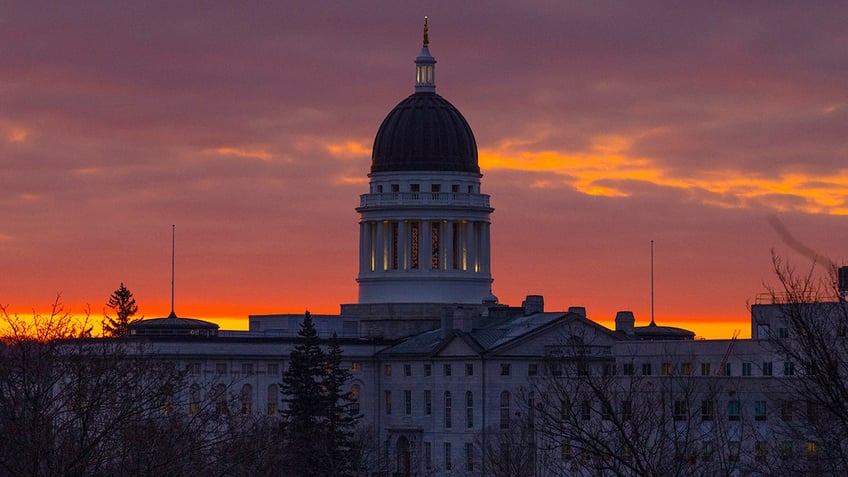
{"x": 449, "y": 380}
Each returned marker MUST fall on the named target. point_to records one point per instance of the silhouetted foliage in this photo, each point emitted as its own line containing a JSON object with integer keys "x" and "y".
{"x": 318, "y": 421}
{"x": 123, "y": 304}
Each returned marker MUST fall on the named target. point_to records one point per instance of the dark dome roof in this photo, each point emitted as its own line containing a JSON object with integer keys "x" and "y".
{"x": 424, "y": 133}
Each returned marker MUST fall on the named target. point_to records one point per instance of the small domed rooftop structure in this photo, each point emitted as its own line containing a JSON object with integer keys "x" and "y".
{"x": 173, "y": 326}
{"x": 424, "y": 132}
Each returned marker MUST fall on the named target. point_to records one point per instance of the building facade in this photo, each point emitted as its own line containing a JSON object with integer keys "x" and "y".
{"x": 448, "y": 379}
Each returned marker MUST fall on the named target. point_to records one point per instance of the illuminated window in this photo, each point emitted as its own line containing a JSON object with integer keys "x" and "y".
{"x": 387, "y": 369}
{"x": 812, "y": 450}
{"x": 434, "y": 236}
{"x": 413, "y": 245}
{"x": 686, "y": 369}
{"x": 666, "y": 369}
{"x": 356, "y": 366}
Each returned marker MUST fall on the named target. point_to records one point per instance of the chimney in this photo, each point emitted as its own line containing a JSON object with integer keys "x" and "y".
{"x": 624, "y": 322}
{"x": 578, "y": 310}
{"x": 533, "y": 304}
{"x": 843, "y": 280}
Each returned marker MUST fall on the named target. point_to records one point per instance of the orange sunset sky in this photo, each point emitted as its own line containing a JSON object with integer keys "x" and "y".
{"x": 717, "y": 129}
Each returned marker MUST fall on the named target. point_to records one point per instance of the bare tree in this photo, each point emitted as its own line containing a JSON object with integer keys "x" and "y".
{"x": 72, "y": 405}
{"x": 805, "y": 317}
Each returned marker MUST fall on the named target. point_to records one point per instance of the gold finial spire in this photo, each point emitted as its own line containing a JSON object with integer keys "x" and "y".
{"x": 426, "y": 36}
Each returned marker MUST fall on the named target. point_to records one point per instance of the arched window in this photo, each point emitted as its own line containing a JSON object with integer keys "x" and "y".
{"x": 504, "y": 424}
{"x": 448, "y": 417}
{"x": 194, "y": 399}
{"x": 354, "y": 398}
{"x": 273, "y": 399}
{"x": 469, "y": 409}
{"x": 246, "y": 399}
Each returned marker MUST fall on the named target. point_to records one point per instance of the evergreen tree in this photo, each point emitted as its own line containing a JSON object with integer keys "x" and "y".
{"x": 123, "y": 304}
{"x": 305, "y": 412}
{"x": 341, "y": 421}
{"x": 319, "y": 424}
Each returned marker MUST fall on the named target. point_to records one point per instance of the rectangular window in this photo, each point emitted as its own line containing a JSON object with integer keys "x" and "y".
{"x": 707, "y": 410}
{"x": 414, "y": 187}
{"x": 220, "y": 368}
{"x": 395, "y": 187}
{"x": 469, "y": 456}
{"x": 247, "y": 369}
{"x": 448, "y": 410}
{"x": 626, "y": 410}
{"x": 783, "y": 333}
{"x": 705, "y": 369}
{"x": 193, "y": 368}
{"x": 666, "y": 369}
{"x": 746, "y": 369}
{"x": 388, "y": 369}
{"x": 532, "y": 369}
{"x": 760, "y": 451}
{"x": 455, "y": 188}
{"x": 728, "y": 370}
{"x": 407, "y": 370}
{"x": 273, "y": 369}
{"x": 428, "y": 370}
{"x": 707, "y": 450}
{"x": 356, "y": 366}
{"x": 767, "y": 368}
{"x": 448, "y": 458}
{"x": 609, "y": 369}
{"x": 505, "y": 369}
{"x": 407, "y": 402}
{"x": 760, "y": 410}
{"x": 734, "y": 410}
{"x": 447, "y": 370}
{"x": 812, "y": 450}
{"x": 413, "y": 245}
{"x": 681, "y": 411}
{"x": 428, "y": 403}
{"x": 686, "y": 369}
{"x": 786, "y": 450}
{"x": 788, "y": 368}
{"x": 646, "y": 369}
{"x": 388, "y": 403}
{"x": 469, "y": 410}
{"x": 786, "y": 411}
{"x": 469, "y": 369}
{"x": 585, "y": 410}
{"x": 434, "y": 239}
{"x": 627, "y": 369}
{"x": 428, "y": 455}
{"x": 435, "y": 187}
{"x": 733, "y": 451}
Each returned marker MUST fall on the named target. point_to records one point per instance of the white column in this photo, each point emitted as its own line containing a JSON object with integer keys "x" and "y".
{"x": 447, "y": 259}
{"x": 487, "y": 248}
{"x": 471, "y": 245}
{"x": 364, "y": 247}
{"x": 380, "y": 247}
{"x": 403, "y": 245}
